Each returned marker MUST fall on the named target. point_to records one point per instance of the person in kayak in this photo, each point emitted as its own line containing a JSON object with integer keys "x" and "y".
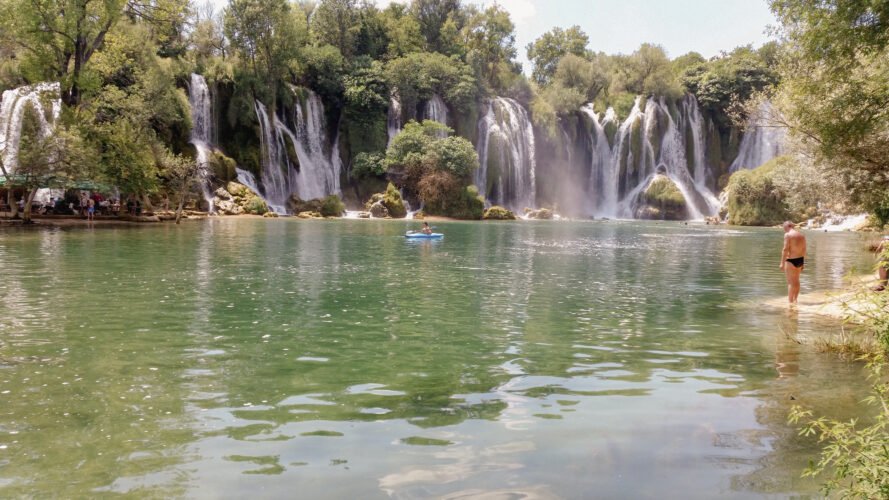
{"x": 426, "y": 229}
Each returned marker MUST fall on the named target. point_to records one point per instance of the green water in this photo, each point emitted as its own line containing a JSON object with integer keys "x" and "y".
{"x": 298, "y": 359}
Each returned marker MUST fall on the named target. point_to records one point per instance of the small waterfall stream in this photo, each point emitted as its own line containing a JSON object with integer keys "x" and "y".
{"x": 437, "y": 111}
{"x": 506, "y": 175}
{"x": 12, "y": 109}
{"x": 393, "y": 118}
{"x": 202, "y": 132}
{"x": 760, "y": 142}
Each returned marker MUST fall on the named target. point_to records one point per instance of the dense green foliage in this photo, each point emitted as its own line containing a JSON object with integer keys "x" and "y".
{"x": 834, "y": 92}
{"x": 753, "y": 198}
{"x": 436, "y": 168}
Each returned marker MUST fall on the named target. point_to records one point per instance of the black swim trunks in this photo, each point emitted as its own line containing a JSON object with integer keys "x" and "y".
{"x": 797, "y": 262}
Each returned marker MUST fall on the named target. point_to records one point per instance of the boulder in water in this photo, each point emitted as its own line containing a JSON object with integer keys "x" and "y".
{"x": 392, "y": 202}
{"x": 378, "y": 210}
{"x": 662, "y": 200}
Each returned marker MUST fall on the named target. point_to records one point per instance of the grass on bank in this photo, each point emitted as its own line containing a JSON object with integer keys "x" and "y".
{"x": 855, "y": 457}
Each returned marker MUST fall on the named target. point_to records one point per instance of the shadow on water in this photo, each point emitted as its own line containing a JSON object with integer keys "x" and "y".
{"x": 537, "y": 359}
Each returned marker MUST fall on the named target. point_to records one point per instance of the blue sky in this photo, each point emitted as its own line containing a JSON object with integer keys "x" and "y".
{"x": 620, "y": 26}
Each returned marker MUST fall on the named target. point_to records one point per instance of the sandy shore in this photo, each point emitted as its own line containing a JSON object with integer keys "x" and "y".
{"x": 836, "y": 304}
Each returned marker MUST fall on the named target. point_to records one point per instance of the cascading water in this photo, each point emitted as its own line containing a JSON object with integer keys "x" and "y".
{"x": 312, "y": 173}
{"x": 202, "y": 131}
{"x": 760, "y": 142}
{"x": 506, "y": 175}
{"x": 12, "y": 109}
{"x": 393, "y": 118}
{"x": 436, "y": 110}
{"x": 647, "y": 143}
{"x": 605, "y": 167}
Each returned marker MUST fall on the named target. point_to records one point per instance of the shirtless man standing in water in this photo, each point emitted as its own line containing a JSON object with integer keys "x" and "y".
{"x": 793, "y": 259}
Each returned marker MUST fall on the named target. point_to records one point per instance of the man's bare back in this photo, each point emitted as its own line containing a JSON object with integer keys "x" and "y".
{"x": 793, "y": 259}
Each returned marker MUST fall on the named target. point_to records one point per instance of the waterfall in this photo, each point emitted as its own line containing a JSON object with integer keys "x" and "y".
{"x": 12, "y": 109}
{"x": 650, "y": 141}
{"x": 295, "y": 159}
{"x": 436, "y": 110}
{"x": 506, "y": 175}
{"x": 605, "y": 166}
{"x": 760, "y": 142}
{"x": 202, "y": 132}
{"x": 393, "y": 118}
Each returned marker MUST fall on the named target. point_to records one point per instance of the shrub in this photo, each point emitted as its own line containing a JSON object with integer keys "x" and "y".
{"x": 498, "y": 213}
{"x": 368, "y": 165}
{"x": 332, "y": 206}
{"x": 753, "y": 198}
{"x": 393, "y": 202}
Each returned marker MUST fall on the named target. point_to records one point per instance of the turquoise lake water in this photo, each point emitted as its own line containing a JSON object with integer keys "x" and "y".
{"x": 281, "y": 358}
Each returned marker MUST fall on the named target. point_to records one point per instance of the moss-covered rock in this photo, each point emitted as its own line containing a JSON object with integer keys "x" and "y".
{"x": 498, "y": 213}
{"x": 393, "y": 202}
{"x": 329, "y": 206}
{"x": 662, "y": 200}
{"x": 237, "y": 199}
{"x": 222, "y": 167}
{"x": 753, "y": 199}
{"x": 237, "y": 189}
{"x": 256, "y": 206}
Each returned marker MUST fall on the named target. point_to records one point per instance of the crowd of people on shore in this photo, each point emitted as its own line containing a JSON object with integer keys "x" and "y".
{"x": 86, "y": 206}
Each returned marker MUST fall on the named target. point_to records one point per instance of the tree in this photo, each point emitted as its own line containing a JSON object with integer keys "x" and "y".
{"x": 335, "y": 23}
{"x": 587, "y": 77}
{"x": 727, "y": 80}
{"x": 402, "y": 31}
{"x": 435, "y": 168}
{"x": 491, "y": 35}
{"x": 266, "y": 33}
{"x": 61, "y": 36}
{"x": 546, "y": 52}
{"x": 48, "y": 156}
{"x": 647, "y": 71}
{"x": 834, "y": 90}
{"x": 432, "y": 16}
{"x": 181, "y": 173}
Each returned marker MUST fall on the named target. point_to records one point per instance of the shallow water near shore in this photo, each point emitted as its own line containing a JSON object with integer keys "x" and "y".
{"x": 336, "y": 359}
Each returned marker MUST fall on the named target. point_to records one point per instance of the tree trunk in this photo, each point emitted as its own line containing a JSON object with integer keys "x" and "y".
{"x": 26, "y": 212}
{"x": 13, "y": 206}
{"x": 179, "y": 208}
{"x": 147, "y": 208}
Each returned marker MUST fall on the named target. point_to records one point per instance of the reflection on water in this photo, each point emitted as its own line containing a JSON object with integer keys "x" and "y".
{"x": 528, "y": 360}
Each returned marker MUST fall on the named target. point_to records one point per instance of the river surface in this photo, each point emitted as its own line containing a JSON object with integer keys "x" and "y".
{"x": 280, "y": 358}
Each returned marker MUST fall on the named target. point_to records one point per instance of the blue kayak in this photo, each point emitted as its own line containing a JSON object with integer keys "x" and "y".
{"x": 423, "y": 236}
